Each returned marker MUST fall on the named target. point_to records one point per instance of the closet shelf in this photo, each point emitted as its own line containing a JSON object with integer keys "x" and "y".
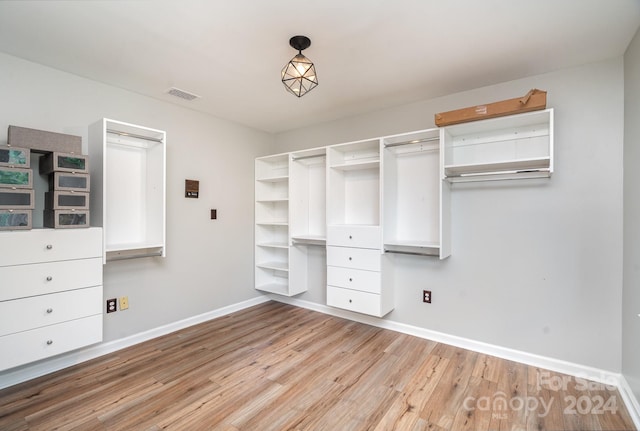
{"x": 309, "y": 240}
{"x": 512, "y": 166}
{"x": 280, "y": 289}
{"x": 278, "y": 266}
{"x": 273, "y": 244}
{"x": 274, "y": 179}
{"x": 272, "y": 223}
{"x": 272, "y": 200}
{"x": 423, "y": 248}
{"x": 357, "y": 165}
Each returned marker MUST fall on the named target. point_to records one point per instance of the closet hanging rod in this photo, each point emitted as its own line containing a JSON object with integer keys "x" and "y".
{"x": 415, "y": 141}
{"x": 134, "y": 256}
{"x": 413, "y": 253}
{"x": 308, "y": 157}
{"x": 133, "y": 135}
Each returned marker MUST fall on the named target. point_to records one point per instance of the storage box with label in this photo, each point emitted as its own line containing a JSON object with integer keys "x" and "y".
{"x": 16, "y": 199}
{"x": 66, "y": 200}
{"x": 69, "y": 181}
{"x": 15, "y": 219}
{"x": 61, "y": 219}
{"x": 15, "y": 178}
{"x": 15, "y": 157}
{"x": 41, "y": 141}
{"x": 63, "y": 162}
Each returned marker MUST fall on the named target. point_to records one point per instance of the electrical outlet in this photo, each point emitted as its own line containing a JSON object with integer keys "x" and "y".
{"x": 426, "y": 296}
{"x": 124, "y": 302}
{"x": 112, "y": 305}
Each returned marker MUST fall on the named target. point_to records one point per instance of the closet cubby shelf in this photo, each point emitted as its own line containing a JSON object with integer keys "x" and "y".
{"x": 278, "y": 266}
{"x": 357, "y": 165}
{"x": 273, "y": 244}
{"x": 275, "y": 179}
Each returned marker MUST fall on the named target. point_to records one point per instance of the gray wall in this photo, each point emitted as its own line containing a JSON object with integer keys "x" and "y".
{"x": 536, "y": 265}
{"x": 631, "y": 290}
{"x": 209, "y": 264}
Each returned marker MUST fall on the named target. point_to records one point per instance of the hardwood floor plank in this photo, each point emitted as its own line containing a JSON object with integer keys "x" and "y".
{"x": 448, "y": 395}
{"x": 275, "y": 367}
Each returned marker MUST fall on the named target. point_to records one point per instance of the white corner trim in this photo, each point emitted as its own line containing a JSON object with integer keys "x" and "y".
{"x": 552, "y": 364}
{"x": 46, "y": 366}
{"x": 630, "y": 400}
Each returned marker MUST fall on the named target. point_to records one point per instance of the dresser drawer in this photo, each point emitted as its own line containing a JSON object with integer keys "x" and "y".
{"x": 356, "y": 279}
{"x": 21, "y": 281}
{"x": 358, "y": 258}
{"x": 28, "y": 346}
{"x": 354, "y": 300}
{"x": 48, "y": 245}
{"x": 37, "y": 311}
{"x": 354, "y": 236}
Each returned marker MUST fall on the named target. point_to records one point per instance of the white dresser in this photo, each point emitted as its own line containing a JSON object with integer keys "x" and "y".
{"x": 50, "y": 293}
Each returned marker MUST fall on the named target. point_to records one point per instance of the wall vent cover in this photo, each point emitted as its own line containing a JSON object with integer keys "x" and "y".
{"x": 182, "y": 94}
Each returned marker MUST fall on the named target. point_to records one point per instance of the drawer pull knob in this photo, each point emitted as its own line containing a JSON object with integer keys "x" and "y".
{"x": 49, "y": 278}
{"x": 49, "y": 342}
{"x": 49, "y": 310}
{"x": 49, "y": 246}
{"x": 350, "y": 237}
{"x": 351, "y": 279}
{"x": 350, "y": 258}
{"x": 350, "y": 301}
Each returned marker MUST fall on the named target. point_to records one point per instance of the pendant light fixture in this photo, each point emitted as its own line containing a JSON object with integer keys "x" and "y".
{"x": 299, "y": 75}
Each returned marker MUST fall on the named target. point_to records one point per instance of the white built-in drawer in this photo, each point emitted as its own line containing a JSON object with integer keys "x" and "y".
{"x": 23, "y": 347}
{"x": 354, "y": 300}
{"x": 49, "y": 245}
{"x": 36, "y": 311}
{"x": 358, "y": 258}
{"x": 356, "y": 279}
{"x": 21, "y": 281}
{"x": 354, "y": 236}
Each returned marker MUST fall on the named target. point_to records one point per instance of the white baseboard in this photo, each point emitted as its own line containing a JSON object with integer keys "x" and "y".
{"x": 630, "y": 400}
{"x": 46, "y": 366}
{"x": 552, "y": 364}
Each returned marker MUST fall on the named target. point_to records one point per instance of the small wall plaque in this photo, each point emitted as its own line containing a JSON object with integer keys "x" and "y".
{"x": 191, "y": 188}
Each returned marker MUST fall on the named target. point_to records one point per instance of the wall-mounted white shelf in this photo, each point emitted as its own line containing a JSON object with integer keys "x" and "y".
{"x": 128, "y": 183}
{"x": 511, "y": 147}
{"x": 414, "y": 197}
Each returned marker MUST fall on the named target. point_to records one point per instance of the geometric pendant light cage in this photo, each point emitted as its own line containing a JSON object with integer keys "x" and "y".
{"x": 299, "y": 74}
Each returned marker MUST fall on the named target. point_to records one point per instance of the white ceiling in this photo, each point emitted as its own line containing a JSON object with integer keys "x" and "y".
{"x": 369, "y": 54}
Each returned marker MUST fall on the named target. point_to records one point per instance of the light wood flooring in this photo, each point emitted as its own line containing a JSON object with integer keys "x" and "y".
{"x": 279, "y": 367}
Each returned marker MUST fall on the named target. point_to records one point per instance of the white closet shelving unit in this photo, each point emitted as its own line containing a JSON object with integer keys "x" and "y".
{"x": 128, "y": 183}
{"x": 353, "y": 184}
{"x": 272, "y": 224}
{"x": 416, "y": 203}
{"x": 307, "y": 209}
{"x": 354, "y": 242}
{"x": 382, "y": 197}
{"x": 511, "y": 147}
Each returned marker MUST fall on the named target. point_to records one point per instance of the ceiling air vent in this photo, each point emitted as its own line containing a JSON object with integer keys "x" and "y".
{"x": 182, "y": 94}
